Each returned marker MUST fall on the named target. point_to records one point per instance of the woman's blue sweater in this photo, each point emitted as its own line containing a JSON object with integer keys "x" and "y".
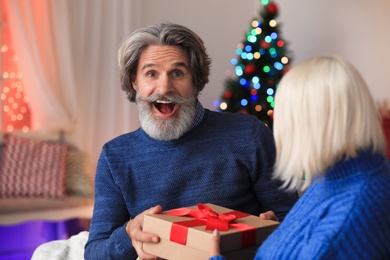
{"x": 346, "y": 215}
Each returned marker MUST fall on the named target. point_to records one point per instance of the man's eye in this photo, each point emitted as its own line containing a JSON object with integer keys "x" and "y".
{"x": 151, "y": 74}
{"x": 177, "y": 73}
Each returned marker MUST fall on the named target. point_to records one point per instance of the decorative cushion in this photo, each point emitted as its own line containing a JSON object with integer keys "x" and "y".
{"x": 78, "y": 180}
{"x": 32, "y": 168}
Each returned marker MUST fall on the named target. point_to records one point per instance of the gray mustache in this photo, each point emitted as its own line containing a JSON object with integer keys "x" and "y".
{"x": 172, "y": 98}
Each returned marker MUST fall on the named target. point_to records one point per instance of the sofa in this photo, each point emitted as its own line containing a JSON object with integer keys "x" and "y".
{"x": 46, "y": 191}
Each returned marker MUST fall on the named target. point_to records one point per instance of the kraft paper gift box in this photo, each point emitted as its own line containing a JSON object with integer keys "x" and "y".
{"x": 186, "y": 233}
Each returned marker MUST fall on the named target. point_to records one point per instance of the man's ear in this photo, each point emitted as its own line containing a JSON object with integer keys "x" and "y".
{"x": 134, "y": 83}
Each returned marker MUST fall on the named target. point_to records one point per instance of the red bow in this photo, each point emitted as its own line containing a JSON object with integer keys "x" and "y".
{"x": 213, "y": 219}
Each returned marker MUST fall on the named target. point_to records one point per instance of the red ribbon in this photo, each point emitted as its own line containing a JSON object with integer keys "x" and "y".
{"x": 213, "y": 220}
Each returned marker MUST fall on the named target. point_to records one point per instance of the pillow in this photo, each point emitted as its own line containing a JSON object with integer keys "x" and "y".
{"x": 32, "y": 168}
{"x": 78, "y": 180}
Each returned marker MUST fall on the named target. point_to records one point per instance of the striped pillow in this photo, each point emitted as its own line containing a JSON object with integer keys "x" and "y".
{"x": 78, "y": 179}
{"x": 32, "y": 168}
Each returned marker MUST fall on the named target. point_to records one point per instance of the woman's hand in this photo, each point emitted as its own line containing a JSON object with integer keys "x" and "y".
{"x": 215, "y": 244}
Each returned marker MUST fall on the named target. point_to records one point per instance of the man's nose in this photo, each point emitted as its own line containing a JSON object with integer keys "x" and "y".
{"x": 164, "y": 85}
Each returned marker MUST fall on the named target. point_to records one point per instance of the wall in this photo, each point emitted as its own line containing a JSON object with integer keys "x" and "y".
{"x": 355, "y": 29}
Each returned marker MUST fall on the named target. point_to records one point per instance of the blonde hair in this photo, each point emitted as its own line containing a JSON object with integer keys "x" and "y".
{"x": 324, "y": 112}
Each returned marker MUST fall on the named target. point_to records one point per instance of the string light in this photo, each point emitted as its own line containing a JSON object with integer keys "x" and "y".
{"x": 252, "y": 38}
{"x": 284, "y": 60}
{"x": 244, "y": 55}
{"x": 272, "y": 23}
{"x": 270, "y": 91}
{"x": 244, "y": 102}
{"x": 244, "y": 82}
{"x": 270, "y": 99}
{"x": 239, "y": 71}
{"x": 272, "y": 51}
{"x": 280, "y": 43}
{"x": 255, "y": 23}
{"x": 16, "y": 114}
{"x": 223, "y": 106}
{"x": 278, "y": 65}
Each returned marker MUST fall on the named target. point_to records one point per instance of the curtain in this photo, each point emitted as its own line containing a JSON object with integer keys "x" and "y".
{"x": 45, "y": 61}
{"x": 68, "y": 56}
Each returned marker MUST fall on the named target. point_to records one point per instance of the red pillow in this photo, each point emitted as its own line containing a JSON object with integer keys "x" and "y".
{"x": 32, "y": 168}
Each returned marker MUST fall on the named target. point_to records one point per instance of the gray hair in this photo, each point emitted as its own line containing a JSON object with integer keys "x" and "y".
{"x": 324, "y": 112}
{"x": 163, "y": 34}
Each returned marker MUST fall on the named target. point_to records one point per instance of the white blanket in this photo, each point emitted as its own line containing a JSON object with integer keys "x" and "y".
{"x": 70, "y": 249}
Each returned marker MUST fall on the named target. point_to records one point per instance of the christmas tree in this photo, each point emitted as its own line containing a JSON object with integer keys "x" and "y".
{"x": 262, "y": 59}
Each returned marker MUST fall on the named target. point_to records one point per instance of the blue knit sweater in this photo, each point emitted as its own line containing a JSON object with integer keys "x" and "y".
{"x": 226, "y": 159}
{"x": 346, "y": 215}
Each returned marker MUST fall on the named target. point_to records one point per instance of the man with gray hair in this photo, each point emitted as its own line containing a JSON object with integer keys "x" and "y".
{"x": 183, "y": 154}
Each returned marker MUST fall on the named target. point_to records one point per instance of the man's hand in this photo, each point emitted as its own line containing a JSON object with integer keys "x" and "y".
{"x": 269, "y": 215}
{"x": 137, "y": 236}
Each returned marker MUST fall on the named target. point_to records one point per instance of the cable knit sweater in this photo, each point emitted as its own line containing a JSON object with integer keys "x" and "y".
{"x": 346, "y": 215}
{"x": 226, "y": 159}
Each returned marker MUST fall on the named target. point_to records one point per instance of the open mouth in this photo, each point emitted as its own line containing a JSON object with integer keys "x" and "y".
{"x": 164, "y": 106}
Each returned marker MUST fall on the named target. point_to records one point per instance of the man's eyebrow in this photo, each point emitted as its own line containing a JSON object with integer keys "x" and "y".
{"x": 175, "y": 65}
{"x": 148, "y": 65}
{"x": 180, "y": 64}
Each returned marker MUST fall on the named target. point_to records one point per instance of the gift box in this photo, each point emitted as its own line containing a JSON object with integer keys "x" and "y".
{"x": 386, "y": 131}
{"x": 186, "y": 233}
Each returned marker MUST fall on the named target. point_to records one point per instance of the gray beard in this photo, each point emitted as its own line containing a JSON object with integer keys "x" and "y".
{"x": 166, "y": 129}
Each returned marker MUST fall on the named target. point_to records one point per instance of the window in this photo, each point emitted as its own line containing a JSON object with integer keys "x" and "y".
{"x": 15, "y": 112}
